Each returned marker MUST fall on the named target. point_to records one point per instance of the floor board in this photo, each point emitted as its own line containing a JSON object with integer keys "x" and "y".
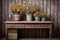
{"x": 35, "y": 39}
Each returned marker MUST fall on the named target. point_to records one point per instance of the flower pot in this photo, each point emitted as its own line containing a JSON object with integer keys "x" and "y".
{"x": 16, "y": 17}
{"x": 37, "y": 18}
{"x": 29, "y": 17}
{"x": 43, "y": 18}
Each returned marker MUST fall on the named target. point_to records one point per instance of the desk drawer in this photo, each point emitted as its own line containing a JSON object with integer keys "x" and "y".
{"x": 37, "y": 26}
{"x": 16, "y": 26}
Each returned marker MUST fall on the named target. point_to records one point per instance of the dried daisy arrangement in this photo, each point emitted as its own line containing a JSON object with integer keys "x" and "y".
{"x": 16, "y": 9}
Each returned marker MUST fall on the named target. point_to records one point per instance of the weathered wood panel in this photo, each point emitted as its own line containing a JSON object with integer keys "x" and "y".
{"x": 0, "y": 18}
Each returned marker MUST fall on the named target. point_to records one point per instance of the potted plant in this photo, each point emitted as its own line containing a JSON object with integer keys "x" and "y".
{"x": 37, "y": 15}
{"x": 29, "y": 11}
{"x": 16, "y": 9}
{"x": 28, "y": 14}
{"x": 43, "y": 15}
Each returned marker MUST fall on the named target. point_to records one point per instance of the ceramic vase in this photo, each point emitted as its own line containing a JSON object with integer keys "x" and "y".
{"x": 29, "y": 17}
{"x": 37, "y": 18}
{"x": 16, "y": 17}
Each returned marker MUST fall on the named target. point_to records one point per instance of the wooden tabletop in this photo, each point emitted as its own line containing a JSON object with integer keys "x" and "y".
{"x": 28, "y": 22}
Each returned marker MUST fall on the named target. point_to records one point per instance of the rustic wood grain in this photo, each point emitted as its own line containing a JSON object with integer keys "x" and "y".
{"x": 28, "y": 22}
{"x": 11, "y": 28}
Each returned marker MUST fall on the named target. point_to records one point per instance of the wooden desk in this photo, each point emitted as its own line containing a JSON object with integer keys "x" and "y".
{"x": 14, "y": 25}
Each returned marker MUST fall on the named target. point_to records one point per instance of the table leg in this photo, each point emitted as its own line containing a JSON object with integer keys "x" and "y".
{"x": 50, "y": 33}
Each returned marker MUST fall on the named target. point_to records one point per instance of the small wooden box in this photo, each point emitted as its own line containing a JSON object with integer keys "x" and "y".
{"x": 12, "y": 35}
